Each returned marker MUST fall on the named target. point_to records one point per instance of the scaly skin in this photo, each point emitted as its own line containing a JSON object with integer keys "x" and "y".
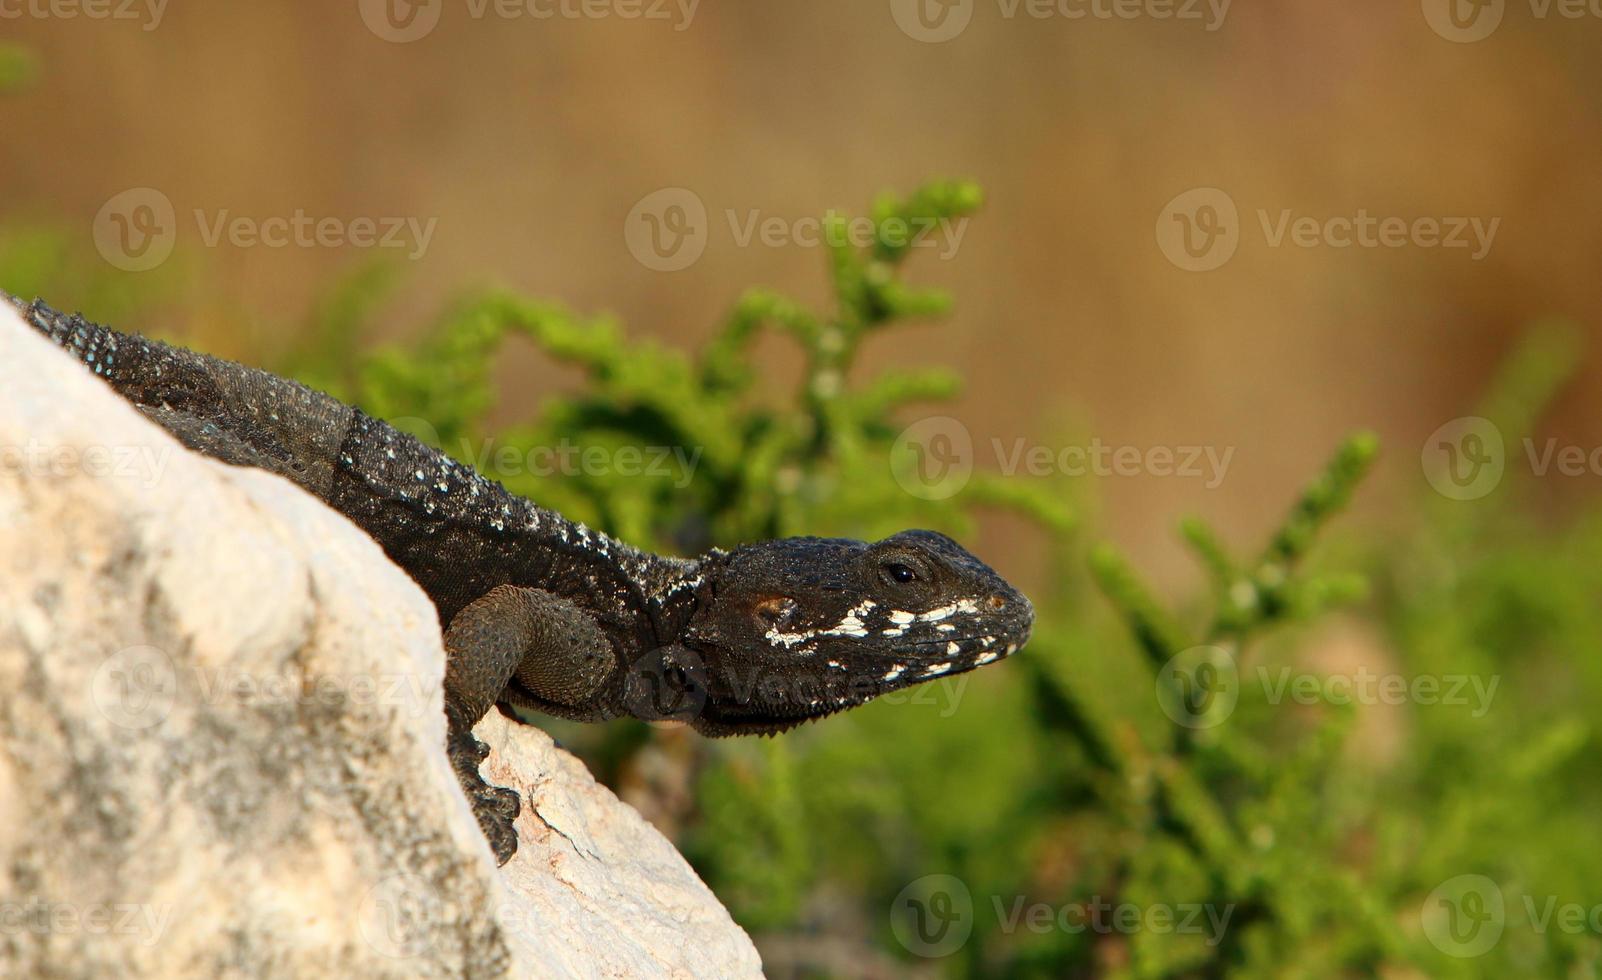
{"x": 543, "y": 613}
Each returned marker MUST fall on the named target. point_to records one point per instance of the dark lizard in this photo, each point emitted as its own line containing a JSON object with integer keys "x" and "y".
{"x": 543, "y": 613}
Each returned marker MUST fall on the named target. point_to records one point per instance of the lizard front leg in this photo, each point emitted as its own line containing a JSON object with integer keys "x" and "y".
{"x": 550, "y": 645}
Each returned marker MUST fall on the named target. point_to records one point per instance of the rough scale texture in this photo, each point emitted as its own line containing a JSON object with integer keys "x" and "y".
{"x": 219, "y": 740}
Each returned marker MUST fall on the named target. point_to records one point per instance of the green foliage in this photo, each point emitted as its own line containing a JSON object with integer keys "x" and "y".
{"x": 1139, "y": 754}
{"x": 18, "y": 67}
{"x": 742, "y": 469}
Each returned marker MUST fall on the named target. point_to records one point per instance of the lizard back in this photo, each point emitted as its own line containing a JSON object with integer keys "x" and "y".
{"x": 454, "y": 531}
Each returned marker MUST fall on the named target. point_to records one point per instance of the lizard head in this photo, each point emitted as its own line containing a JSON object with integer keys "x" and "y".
{"x": 799, "y": 628}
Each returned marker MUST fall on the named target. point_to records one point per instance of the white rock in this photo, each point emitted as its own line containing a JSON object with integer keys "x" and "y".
{"x": 222, "y": 741}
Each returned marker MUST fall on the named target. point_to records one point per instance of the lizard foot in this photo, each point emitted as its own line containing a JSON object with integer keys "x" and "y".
{"x": 495, "y": 806}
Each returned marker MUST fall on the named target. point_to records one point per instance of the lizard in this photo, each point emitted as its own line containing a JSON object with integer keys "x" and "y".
{"x": 542, "y": 613}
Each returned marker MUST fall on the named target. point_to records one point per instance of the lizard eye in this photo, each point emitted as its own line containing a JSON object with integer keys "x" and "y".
{"x": 898, "y": 573}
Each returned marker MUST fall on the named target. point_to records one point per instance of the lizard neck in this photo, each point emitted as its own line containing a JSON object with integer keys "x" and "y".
{"x": 675, "y": 588}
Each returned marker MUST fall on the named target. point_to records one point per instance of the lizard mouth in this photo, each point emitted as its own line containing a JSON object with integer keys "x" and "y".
{"x": 943, "y": 656}
{"x": 854, "y": 677}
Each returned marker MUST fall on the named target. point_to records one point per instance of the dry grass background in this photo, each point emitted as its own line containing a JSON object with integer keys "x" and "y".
{"x": 530, "y": 140}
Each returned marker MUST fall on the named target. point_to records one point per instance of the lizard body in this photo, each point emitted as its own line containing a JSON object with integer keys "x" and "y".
{"x": 544, "y": 613}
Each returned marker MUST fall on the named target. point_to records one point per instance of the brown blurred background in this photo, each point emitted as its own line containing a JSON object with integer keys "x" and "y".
{"x": 531, "y": 139}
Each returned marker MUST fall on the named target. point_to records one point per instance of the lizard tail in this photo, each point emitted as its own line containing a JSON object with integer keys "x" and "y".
{"x": 234, "y": 413}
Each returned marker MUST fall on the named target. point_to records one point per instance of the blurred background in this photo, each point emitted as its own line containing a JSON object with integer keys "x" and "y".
{"x": 1135, "y": 277}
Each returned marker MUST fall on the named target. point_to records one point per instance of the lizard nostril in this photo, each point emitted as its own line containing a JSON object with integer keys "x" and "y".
{"x": 997, "y": 602}
{"x": 777, "y": 611}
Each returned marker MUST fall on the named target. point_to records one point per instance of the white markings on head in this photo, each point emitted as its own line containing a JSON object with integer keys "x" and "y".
{"x": 934, "y": 669}
{"x": 895, "y": 672}
{"x": 852, "y": 625}
{"x": 964, "y": 606}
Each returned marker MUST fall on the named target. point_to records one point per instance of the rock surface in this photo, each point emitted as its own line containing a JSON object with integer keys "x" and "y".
{"x": 221, "y": 740}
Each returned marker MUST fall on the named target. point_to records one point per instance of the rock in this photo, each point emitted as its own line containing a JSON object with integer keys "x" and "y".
{"x": 221, "y": 740}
